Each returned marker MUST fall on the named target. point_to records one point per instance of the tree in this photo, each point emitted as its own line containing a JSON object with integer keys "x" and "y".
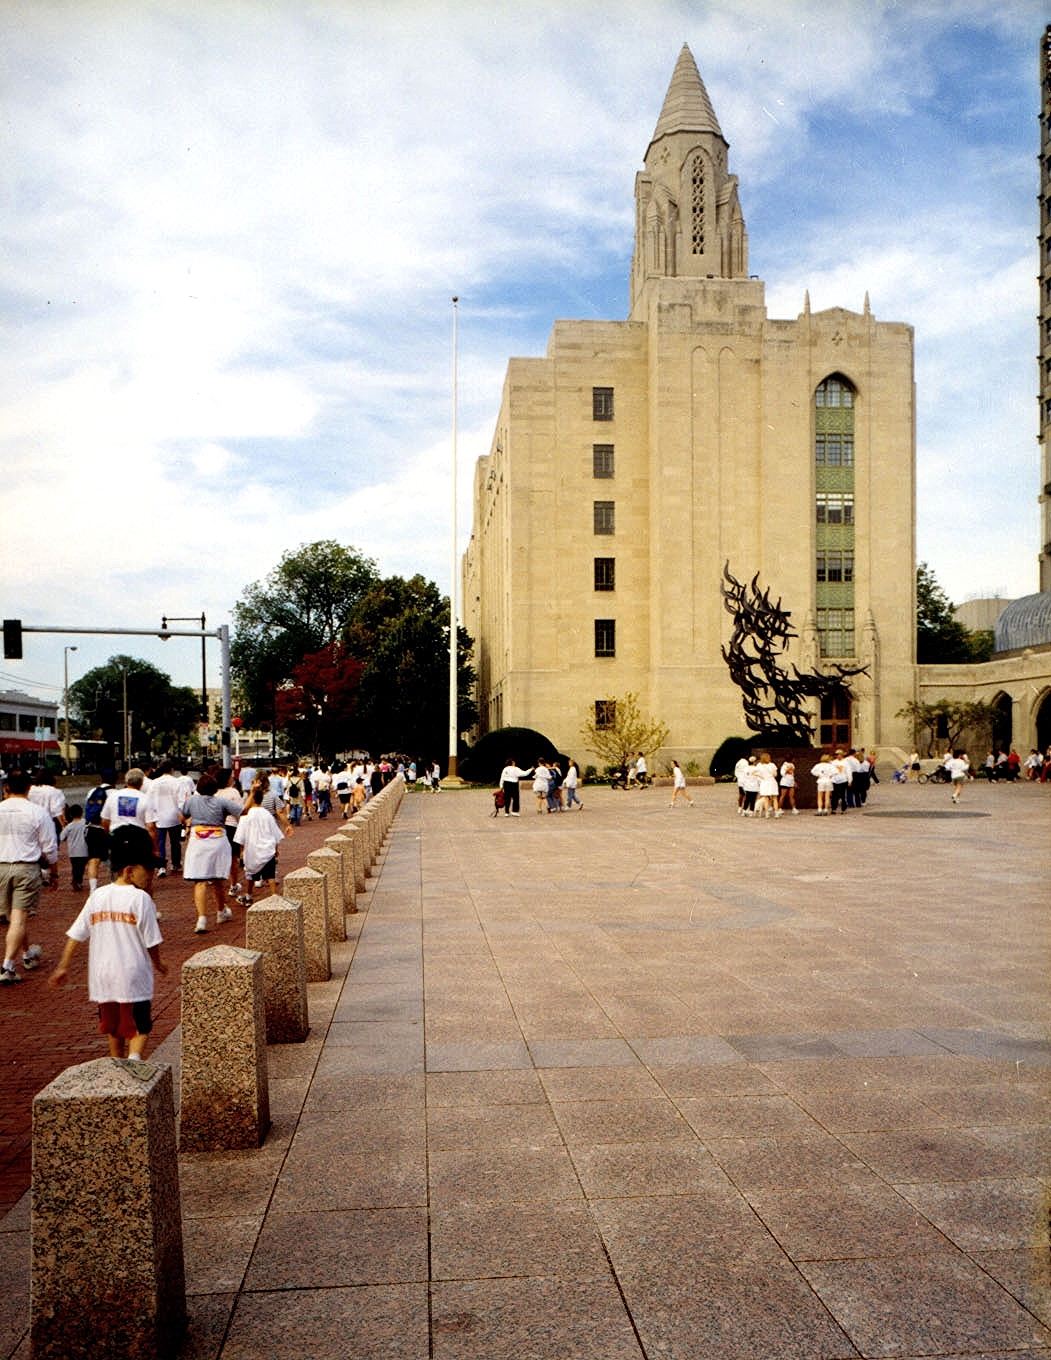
{"x": 305, "y": 604}
{"x": 401, "y": 631}
{"x": 160, "y": 713}
{"x": 940, "y": 637}
{"x": 618, "y": 730}
{"x": 947, "y": 720}
{"x": 317, "y": 708}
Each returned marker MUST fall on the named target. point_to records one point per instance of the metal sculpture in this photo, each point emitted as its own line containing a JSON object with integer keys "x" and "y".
{"x": 774, "y": 701}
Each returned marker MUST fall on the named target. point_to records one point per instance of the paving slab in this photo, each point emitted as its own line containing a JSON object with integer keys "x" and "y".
{"x": 627, "y": 1084}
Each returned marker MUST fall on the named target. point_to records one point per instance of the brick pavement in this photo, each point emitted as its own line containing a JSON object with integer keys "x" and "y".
{"x": 45, "y": 1031}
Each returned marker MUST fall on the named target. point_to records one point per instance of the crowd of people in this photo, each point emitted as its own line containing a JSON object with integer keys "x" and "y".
{"x": 768, "y": 790}
{"x": 221, "y": 831}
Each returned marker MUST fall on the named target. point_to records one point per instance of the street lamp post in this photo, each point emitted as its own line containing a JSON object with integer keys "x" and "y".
{"x": 65, "y": 695}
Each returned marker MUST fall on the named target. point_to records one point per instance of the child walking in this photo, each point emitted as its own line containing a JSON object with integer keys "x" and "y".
{"x": 75, "y": 837}
{"x": 119, "y": 925}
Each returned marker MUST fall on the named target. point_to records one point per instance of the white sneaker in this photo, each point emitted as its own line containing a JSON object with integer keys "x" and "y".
{"x": 202, "y": 926}
{"x": 162, "y": 873}
{"x": 225, "y": 915}
{"x": 31, "y": 958}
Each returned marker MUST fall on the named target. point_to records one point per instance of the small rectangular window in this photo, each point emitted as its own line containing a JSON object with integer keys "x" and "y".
{"x": 7, "y": 722}
{"x": 602, "y": 460}
{"x": 602, "y": 403}
{"x": 605, "y": 713}
{"x": 605, "y": 573}
{"x": 604, "y": 517}
{"x": 605, "y": 637}
{"x": 27, "y": 722}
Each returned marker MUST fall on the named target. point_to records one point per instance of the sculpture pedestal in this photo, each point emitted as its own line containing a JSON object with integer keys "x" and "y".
{"x": 804, "y": 758}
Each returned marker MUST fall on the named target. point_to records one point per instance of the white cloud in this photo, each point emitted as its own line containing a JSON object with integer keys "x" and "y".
{"x": 229, "y": 235}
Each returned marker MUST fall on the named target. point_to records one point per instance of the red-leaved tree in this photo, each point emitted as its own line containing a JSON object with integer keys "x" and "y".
{"x": 318, "y": 703}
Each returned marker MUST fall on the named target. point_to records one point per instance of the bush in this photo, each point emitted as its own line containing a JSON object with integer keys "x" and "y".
{"x": 486, "y": 758}
{"x": 728, "y": 754}
{"x": 590, "y": 774}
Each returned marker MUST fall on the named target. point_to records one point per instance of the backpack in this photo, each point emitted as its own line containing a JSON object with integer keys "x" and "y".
{"x": 96, "y": 801}
{"x": 293, "y": 789}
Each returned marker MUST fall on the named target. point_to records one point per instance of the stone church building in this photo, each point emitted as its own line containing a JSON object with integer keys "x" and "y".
{"x": 636, "y": 458}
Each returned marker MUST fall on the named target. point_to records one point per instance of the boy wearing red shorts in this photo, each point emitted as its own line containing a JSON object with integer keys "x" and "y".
{"x": 119, "y": 924}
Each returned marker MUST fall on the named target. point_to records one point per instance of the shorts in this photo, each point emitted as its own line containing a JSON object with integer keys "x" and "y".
{"x": 19, "y": 887}
{"x": 125, "y": 1019}
{"x": 267, "y": 873}
{"x": 98, "y": 843}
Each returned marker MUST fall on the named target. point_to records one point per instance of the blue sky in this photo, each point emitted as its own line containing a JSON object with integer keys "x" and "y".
{"x": 230, "y": 234}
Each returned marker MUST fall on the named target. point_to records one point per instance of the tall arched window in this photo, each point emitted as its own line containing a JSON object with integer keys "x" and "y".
{"x": 834, "y": 515}
{"x": 697, "y": 205}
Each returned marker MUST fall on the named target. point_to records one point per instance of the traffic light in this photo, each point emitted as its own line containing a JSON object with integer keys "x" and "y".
{"x": 12, "y": 639}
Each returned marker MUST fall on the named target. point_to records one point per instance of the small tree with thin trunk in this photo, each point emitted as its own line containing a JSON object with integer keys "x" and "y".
{"x": 618, "y": 730}
{"x": 953, "y": 717}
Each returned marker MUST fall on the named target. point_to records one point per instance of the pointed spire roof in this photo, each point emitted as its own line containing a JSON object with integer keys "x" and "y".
{"x": 687, "y": 107}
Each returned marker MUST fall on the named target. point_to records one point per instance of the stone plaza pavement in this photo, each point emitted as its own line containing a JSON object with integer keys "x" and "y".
{"x": 652, "y": 1082}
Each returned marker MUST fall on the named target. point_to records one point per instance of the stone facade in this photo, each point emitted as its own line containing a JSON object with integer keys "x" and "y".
{"x": 637, "y": 457}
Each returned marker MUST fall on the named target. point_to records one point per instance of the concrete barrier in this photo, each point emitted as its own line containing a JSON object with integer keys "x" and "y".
{"x": 107, "y": 1257}
{"x": 309, "y": 888}
{"x": 344, "y": 847}
{"x": 330, "y": 863}
{"x": 274, "y": 927}
{"x": 358, "y": 845}
{"x": 225, "y": 1094}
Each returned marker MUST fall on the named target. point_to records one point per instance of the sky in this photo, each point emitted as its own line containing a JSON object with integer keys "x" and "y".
{"x": 230, "y": 235}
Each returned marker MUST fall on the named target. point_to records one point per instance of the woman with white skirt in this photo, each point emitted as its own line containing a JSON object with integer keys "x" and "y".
{"x": 207, "y": 861}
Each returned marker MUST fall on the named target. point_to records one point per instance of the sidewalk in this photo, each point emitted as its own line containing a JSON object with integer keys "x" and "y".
{"x": 652, "y": 1082}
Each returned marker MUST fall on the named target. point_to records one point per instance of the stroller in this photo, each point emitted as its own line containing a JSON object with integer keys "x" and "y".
{"x": 900, "y": 776}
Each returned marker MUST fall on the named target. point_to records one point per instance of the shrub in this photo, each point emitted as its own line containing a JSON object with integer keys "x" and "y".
{"x": 486, "y": 758}
{"x": 728, "y": 754}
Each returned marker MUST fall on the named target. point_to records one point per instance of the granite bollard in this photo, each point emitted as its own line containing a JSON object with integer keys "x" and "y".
{"x": 330, "y": 863}
{"x": 274, "y": 927}
{"x": 356, "y": 835}
{"x": 344, "y": 846}
{"x": 107, "y": 1257}
{"x": 310, "y": 889}
{"x": 368, "y": 824}
{"x": 225, "y": 1093}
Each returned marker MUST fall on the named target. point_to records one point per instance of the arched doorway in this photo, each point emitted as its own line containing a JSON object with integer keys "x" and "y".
{"x": 1043, "y": 723}
{"x": 1002, "y": 722}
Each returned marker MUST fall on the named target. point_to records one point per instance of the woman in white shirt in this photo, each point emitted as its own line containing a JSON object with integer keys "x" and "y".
{"x": 766, "y": 772}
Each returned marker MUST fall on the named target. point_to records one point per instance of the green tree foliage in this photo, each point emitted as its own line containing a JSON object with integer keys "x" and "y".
{"x": 160, "y": 713}
{"x": 624, "y": 731}
{"x": 401, "y": 633}
{"x": 324, "y": 609}
{"x": 940, "y": 638}
{"x": 305, "y": 604}
{"x": 947, "y": 720}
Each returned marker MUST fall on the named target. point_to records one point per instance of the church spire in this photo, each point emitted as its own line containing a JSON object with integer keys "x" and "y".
{"x": 687, "y": 107}
{"x": 688, "y": 221}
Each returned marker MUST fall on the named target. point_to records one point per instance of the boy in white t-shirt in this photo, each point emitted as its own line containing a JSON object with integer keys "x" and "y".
{"x": 119, "y": 924}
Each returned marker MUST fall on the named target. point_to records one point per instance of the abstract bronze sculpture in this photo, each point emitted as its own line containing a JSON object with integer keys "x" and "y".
{"x": 773, "y": 700}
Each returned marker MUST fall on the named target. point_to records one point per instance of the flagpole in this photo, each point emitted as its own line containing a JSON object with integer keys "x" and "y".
{"x": 452, "y": 772}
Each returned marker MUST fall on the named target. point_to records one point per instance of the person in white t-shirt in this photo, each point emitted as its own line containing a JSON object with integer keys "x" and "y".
{"x": 678, "y": 784}
{"x": 259, "y": 836}
{"x": 959, "y": 768}
{"x": 119, "y": 924}
{"x": 126, "y": 806}
{"x": 163, "y": 820}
